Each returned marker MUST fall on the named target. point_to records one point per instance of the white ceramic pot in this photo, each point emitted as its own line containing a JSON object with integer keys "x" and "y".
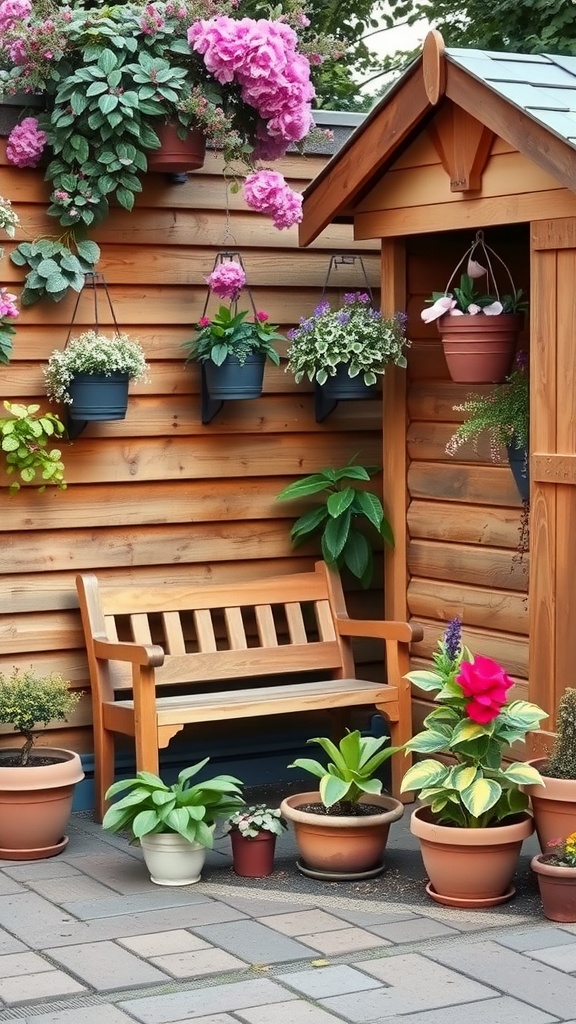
{"x": 171, "y": 859}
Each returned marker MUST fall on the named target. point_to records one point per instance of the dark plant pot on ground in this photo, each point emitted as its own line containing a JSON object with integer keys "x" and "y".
{"x": 253, "y": 856}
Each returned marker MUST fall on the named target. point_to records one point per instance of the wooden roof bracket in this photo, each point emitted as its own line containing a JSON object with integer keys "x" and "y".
{"x": 463, "y": 145}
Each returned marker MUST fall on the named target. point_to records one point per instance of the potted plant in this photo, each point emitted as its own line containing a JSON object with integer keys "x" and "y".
{"x": 91, "y": 375}
{"x": 253, "y": 832}
{"x": 474, "y": 815}
{"x": 36, "y": 783}
{"x": 115, "y": 76}
{"x": 556, "y": 874}
{"x": 479, "y": 329}
{"x": 24, "y": 440}
{"x": 336, "y": 518}
{"x": 345, "y": 350}
{"x": 174, "y": 824}
{"x": 554, "y": 804}
{"x": 341, "y": 829}
{"x": 232, "y": 350}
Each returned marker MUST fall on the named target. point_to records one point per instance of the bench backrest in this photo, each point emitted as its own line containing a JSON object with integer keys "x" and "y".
{"x": 216, "y": 632}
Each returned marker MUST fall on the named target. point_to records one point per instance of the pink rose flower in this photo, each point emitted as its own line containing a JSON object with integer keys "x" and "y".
{"x": 486, "y": 682}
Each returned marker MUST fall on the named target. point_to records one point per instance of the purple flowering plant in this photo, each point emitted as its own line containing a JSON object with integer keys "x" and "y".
{"x": 356, "y": 335}
{"x": 238, "y": 70}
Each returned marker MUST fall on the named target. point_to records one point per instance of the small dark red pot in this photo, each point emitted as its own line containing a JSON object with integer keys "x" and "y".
{"x": 253, "y": 858}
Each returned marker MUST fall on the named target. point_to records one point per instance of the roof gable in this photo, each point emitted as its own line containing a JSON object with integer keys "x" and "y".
{"x": 528, "y": 100}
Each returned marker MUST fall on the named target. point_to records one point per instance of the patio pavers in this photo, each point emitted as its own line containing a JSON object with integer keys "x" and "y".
{"x": 88, "y": 939}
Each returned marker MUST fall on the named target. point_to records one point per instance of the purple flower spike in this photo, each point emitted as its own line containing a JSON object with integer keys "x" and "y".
{"x": 453, "y": 638}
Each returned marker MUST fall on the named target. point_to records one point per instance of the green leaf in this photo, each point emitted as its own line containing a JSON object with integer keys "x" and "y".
{"x": 335, "y": 536}
{"x": 308, "y": 765}
{"x": 427, "y": 742}
{"x": 423, "y": 774}
{"x": 481, "y": 796}
{"x": 426, "y": 680}
{"x": 144, "y": 823}
{"x": 332, "y": 790}
{"x": 302, "y": 488}
{"x": 338, "y": 503}
{"x": 357, "y": 555}
{"x": 522, "y": 774}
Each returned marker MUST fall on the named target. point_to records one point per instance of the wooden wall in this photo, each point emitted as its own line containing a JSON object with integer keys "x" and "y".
{"x": 159, "y": 497}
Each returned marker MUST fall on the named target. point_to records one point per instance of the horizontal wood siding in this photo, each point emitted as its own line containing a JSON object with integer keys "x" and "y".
{"x": 159, "y": 497}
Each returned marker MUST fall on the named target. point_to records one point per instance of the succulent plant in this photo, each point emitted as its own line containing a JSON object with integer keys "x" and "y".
{"x": 562, "y": 762}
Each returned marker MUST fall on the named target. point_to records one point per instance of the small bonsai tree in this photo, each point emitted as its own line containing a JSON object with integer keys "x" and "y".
{"x": 562, "y": 762}
{"x": 27, "y": 699}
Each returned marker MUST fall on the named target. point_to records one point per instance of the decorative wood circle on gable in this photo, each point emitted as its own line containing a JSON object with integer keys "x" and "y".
{"x": 434, "y": 66}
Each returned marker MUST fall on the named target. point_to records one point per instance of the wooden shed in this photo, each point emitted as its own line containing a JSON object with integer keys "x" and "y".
{"x": 468, "y": 139}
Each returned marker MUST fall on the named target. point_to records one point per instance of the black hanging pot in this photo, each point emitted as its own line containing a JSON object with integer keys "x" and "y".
{"x": 234, "y": 379}
{"x": 342, "y": 386}
{"x": 14, "y": 108}
{"x": 518, "y": 459}
{"x": 96, "y": 396}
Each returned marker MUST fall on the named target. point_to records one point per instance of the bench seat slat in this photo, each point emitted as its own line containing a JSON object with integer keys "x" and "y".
{"x": 265, "y": 700}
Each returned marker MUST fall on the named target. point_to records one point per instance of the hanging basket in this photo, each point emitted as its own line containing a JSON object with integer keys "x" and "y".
{"x": 176, "y": 155}
{"x": 518, "y": 461}
{"x": 14, "y": 108}
{"x": 479, "y": 348}
{"x": 343, "y": 386}
{"x": 96, "y": 396}
{"x": 234, "y": 379}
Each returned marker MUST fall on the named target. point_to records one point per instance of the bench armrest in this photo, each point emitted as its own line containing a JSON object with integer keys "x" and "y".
{"x": 382, "y": 629}
{"x": 136, "y": 654}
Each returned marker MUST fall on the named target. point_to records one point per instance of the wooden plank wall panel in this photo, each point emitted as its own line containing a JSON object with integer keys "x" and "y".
{"x": 464, "y": 510}
{"x": 159, "y": 497}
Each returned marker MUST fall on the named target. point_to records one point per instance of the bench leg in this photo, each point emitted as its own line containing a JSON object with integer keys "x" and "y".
{"x": 104, "y": 770}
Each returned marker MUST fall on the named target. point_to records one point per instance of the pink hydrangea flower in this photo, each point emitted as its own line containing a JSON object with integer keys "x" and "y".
{"x": 25, "y": 143}
{"x": 268, "y": 193}
{"x": 227, "y": 279}
{"x": 13, "y": 10}
{"x": 8, "y": 306}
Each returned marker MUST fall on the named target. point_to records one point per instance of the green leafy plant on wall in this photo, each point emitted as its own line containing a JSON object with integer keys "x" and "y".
{"x": 24, "y": 440}
{"x": 338, "y": 517}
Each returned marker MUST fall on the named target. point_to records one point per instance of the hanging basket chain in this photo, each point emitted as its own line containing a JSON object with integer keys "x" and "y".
{"x": 486, "y": 250}
{"x": 346, "y": 259}
{"x": 93, "y": 281}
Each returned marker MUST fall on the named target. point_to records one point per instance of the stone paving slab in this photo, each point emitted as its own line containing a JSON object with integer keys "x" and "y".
{"x": 15, "y": 964}
{"x": 32, "y": 869}
{"x": 125, "y": 875}
{"x": 106, "y": 966}
{"x": 155, "y": 898}
{"x": 286, "y": 1013}
{"x": 255, "y": 942}
{"x": 346, "y": 940}
{"x": 322, "y": 982}
{"x": 9, "y": 885}
{"x": 70, "y": 888}
{"x": 500, "y": 1010}
{"x": 8, "y": 944}
{"x": 536, "y": 938}
{"x": 189, "y": 1005}
{"x": 162, "y": 943}
{"x": 563, "y": 958}
{"x": 42, "y": 985}
{"x": 199, "y": 963}
{"x": 105, "y": 1014}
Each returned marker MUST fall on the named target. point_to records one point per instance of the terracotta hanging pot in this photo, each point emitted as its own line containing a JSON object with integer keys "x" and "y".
{"x": 36, "y": 802}
{"x": 479, "y": 349}
{"x": 176, "y": 155}
{"x": 553, "y": 805}
{"x": 557, "y": 885}
{"x": 253, "y": 856}
{"x": 337, "y": 847}
{"x": 470, "y": 867}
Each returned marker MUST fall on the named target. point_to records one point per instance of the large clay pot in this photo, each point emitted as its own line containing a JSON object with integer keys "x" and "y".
{"x": 557, "y": 886}
{"x": 553, "y": 805}
{"x": 253, "y": 856}
{"x": 479, "y": 349}
{"x": 35, "y": 804}
{"x": 176, "y": 155}
{"x": 339, "y": 845}
{"x": 171, "y": 859}
{"x": 470, "y": 867}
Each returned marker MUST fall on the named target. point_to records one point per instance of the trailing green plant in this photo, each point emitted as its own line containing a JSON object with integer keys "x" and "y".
{"x": 96, "y": 353}
{"x": 55, "y": 266}
{"x": 357, "y": 336}
{"x": 251, "y": 821}
{"x": 335, "y": 519}
{"x": 503, "y": 414}
{"x": 28, "y": 699}
{"x": 562, "y": 762}
{"x": 350, "y": 772}
{"x": 228, "y": 333}
{"x": 150, "y": 806}
{"x": 474, "y": 725}
{"x": 25, "y": 437}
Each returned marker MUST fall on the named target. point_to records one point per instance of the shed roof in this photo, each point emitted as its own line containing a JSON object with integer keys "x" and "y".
{"x": 527, "y": 99}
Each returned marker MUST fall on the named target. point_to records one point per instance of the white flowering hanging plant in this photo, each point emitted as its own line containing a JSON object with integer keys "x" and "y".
{"x": 92, "y": 352}
{"x": 357, "y": 336}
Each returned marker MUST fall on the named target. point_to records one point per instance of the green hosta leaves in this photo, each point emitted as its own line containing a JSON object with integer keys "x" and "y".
{"x": 523, "y": 774}
{"x": 424, "y": 774}
{"x": 481, "y": 796}
{"x": 351, "y": 768}
{"x": 426, "y": 680}
{"x": 427, "y": 742}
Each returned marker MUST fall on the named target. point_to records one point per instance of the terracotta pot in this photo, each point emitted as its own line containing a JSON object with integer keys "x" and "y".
{"x": 479, "y": 349}
{"x": 35, "y": 804}
{"x": 253, "y": 857}
{"x": 177, "y": 155}
{"x": 171, "y": 859}
{"x": 341, "y": 845}
{"x": 470, "y": 867}
{"x": 553, "y": 804}
{"x": 557, "y": 889}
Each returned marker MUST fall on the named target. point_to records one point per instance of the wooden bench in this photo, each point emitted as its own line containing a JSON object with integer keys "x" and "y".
{"x": 277, "y": 627}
